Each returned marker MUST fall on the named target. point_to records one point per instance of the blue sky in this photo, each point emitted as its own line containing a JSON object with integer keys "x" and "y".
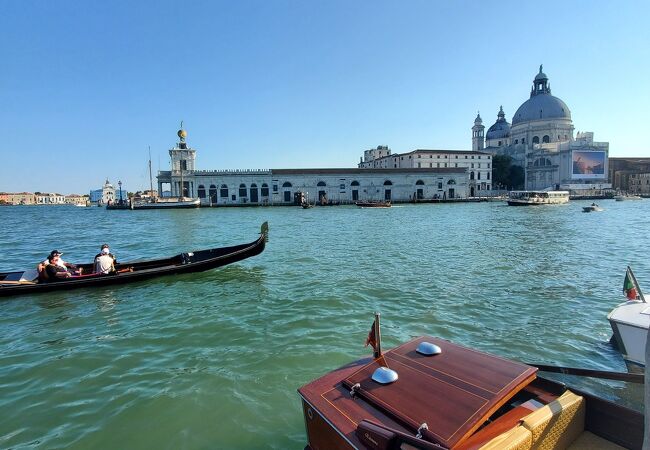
{"x": 87, "y": 86}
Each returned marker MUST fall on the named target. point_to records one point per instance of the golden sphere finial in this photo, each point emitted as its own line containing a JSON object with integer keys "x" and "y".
{"x": 182, "y": 134}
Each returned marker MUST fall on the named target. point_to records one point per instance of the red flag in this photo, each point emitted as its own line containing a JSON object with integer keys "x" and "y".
{"x": 628, "y": 286}
{"x": 372, "y": 339}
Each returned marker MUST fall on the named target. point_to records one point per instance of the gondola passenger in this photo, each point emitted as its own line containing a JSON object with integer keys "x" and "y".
{"x": 54, "y": 271}
{"x": 105, "y": 261}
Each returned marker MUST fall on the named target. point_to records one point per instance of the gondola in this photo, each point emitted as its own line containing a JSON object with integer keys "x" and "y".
{"x": 16, "y": 283}
{"x": 374, "y": 204}
{"x": 432, "y": 394}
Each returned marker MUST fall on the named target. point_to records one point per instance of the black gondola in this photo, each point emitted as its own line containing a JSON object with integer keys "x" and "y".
{"x": 11, "y": 283}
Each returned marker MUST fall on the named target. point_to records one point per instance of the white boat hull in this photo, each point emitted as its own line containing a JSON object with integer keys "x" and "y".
{"x": 630, "y": 322}
{"x": 169, "y": 204}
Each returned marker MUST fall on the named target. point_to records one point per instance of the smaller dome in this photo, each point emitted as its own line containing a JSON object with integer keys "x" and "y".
{"x": 478, "y": 119}
{"x": 500, "y": 129}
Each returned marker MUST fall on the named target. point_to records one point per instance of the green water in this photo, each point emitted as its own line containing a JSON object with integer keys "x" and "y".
{"x": 213, "y": 360}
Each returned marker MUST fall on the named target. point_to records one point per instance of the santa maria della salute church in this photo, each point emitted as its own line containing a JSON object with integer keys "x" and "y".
{"x": 540, "y": 139}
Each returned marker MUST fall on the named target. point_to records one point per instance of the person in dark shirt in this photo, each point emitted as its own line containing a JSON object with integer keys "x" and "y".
{"x": 54, "y": 271}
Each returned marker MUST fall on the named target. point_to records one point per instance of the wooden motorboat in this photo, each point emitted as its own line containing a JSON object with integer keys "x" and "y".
{"x": 446, "y": 396}
{"x": 25, "y": 282}
{"x": 374, "y": 204}
{"x": 630, "y": 322}
{"x": 592, "y": 208}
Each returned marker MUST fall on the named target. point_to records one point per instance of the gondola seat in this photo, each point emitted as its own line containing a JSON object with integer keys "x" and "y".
{"x": 558, "y": 424}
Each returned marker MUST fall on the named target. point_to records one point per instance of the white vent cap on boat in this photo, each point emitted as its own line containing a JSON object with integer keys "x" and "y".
{"x": 384, "y": 375}
{"x": 428, "y": 349}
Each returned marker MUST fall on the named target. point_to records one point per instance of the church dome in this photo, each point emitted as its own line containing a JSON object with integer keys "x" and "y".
{"x": 544, "y": 106}
{"x": 541, "y": 104}
{"x": 500, "y": 129}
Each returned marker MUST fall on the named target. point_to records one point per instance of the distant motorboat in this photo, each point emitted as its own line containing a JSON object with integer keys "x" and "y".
{"x": 623, "y": 197}
{"x": 630, "y": 322}
{"x": 374, "y": 204}
{"x": 592, "y": 208}
{"x": 535, "y": 198}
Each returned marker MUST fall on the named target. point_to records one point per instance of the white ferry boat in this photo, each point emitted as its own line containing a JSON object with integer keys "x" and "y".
{"x": 532, "y": 198}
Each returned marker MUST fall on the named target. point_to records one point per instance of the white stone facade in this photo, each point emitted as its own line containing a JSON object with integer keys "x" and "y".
{"x": 283, "y": 186}
{"x": 478, "y": 165}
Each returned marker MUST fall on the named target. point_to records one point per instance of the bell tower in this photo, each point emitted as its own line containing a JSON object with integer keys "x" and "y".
{"x": 182, "y": 159}
{"x": 478, "y": 136}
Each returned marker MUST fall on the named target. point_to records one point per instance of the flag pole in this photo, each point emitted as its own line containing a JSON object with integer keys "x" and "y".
{"x": 377, "y": 352}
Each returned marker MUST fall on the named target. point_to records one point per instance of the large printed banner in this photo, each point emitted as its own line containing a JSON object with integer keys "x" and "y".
{"x": 588, "y": 164}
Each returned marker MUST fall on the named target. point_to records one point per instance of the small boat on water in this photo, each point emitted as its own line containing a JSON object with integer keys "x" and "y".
{"x": 26, "y": 282}
{"x": 592, "y": 208}
{"x": 623, "y": 197}
{"x": 630, "y": 322}
{"x": 374, "y": 204}
{"x": 535, "y": 198}
{"x": 120, "y": 204}
{"x": 167, "y": 203}
{"x": 432, "y": 394}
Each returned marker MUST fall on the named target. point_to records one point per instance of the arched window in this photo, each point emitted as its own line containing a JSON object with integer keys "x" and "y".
{"x": 286, "y": 184}
{"x": 242, "y": 190}
{"x": 388, "y": 183}
{"x": 535, "y": 139}
{"x": 213, "y": 191}
{"x": 419, "y": 183}
{"x": 546, "y": 138}
{"x": 452, "y": 181}
{"x": 354, "y": 183}
{"x": 201, "y": 191}
{"x": 223, "y": 191}
{"x": 548, "y": 162}
{"x": 471, "y": 176}
{"x": 321, "y": 183}
{"x": 265, "y": 190}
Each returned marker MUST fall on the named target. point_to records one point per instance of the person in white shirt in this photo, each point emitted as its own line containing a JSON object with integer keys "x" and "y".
{"x": 105, "y": 261}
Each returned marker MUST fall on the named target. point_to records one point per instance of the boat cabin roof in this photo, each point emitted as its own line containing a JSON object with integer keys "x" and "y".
{"x": 454, "y": 392}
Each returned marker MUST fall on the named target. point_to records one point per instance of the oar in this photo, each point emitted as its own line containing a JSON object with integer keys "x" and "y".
{"x": 620, "y": 376}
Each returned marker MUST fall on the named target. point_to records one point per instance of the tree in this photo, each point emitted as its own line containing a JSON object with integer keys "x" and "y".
{"x": 501, "y": 169}
{"x": 517, "y": 177}
{"x": 506, "y": 174}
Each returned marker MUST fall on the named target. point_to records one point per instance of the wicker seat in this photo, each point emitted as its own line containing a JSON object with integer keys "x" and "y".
{"x": 558, "y": 424}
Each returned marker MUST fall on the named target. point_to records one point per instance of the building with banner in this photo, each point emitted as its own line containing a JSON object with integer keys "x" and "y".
{"x": 541, "y": 140}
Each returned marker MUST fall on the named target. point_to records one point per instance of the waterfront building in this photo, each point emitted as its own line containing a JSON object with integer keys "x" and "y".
{"x": 48, "y": 198}
{"x": 624, "y": 173}
{"x": 76, "y": 199}
{"x": 640, "y": 183}
{"x": 477, "y": 164}
{"x": 541, "y": 140}
{"x": 20, "y": 198}
{"x": 288, "y": 186}
{"x": 107, "y": 193}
